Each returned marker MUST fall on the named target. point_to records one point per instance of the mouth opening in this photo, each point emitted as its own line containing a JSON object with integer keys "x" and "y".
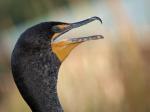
{"x": 69, "y": 27}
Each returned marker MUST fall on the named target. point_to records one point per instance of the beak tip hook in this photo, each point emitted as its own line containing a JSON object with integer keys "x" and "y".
{"x": 97, "y": 18}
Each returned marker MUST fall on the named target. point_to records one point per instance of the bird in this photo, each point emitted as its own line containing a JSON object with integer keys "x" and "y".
{"x": 37, "y": 57}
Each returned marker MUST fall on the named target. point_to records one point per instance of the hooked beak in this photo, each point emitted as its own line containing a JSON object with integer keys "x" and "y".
{"x": 63, "y": 47}
{"x": 61, "y": 29}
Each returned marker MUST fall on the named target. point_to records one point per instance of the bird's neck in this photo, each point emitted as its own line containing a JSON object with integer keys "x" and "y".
{"x": 39, "y": 82}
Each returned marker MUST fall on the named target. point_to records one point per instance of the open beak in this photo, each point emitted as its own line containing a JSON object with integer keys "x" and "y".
{"x": 61, "y": 29}
{"x": 63, "y": 47}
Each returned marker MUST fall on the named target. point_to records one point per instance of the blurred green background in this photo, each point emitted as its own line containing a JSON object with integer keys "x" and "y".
{"x": 109, "y": 75}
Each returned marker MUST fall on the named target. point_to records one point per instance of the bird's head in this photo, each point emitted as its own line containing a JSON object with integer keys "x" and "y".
{"x": 49, "y": 35}
{"x": 36, "y": 58}
{"x": 62, "y": 47}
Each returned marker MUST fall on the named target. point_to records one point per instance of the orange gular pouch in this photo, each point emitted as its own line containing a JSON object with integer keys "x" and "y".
{"x": 62, "y": 49}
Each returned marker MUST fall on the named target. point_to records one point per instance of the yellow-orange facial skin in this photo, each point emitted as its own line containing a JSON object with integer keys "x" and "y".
{"x": 63, "y": 48}
{"x": 62, "y": 26}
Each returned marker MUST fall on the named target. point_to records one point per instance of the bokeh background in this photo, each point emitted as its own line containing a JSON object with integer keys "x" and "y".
{"x": 108, "y": 75}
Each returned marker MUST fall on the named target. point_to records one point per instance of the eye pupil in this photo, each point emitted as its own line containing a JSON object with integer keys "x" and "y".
{"x": 49, "y": 33}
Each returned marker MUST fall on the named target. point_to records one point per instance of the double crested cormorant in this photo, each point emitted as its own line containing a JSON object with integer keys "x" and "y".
{"x": 36, "y": 59}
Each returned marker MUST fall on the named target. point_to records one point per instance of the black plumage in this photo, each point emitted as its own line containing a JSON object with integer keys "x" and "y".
{"x": 36, "y": 60}
{"x": 35, "y": 69}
